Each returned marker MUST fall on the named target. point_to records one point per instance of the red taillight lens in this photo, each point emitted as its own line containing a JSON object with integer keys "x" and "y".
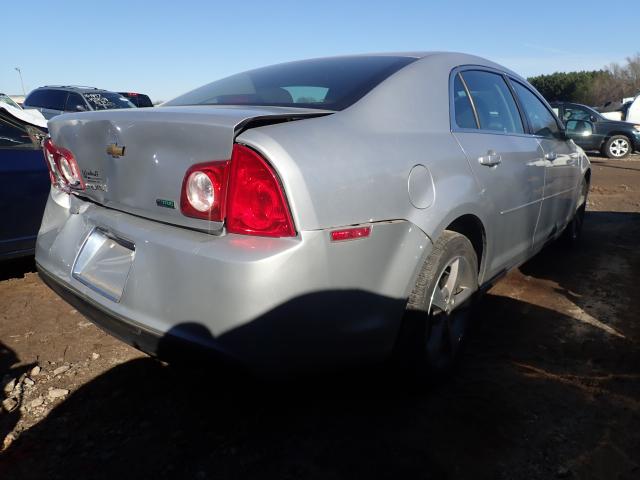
{"x": 245, "y": 189}
{"x": 256, "y": 204}
{"x": 204, "y": 191}
{"x": 64, "y": 172}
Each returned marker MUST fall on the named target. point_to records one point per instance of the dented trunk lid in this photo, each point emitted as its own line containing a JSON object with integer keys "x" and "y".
{"x": 135, "y": 160}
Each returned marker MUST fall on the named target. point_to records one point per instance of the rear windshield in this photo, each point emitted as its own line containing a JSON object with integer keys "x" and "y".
{"x": 138, "y": 99}
{"x": 107, "y": 100}
{"x": 328, "y": 83}
{"x": 142, "y": 100}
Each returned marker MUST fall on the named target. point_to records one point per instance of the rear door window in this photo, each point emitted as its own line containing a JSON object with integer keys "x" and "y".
{"x": 572, "y": 112}
{"x": 493, "y": 101}
{"x": 54, "y": 99}
{"x": 74, "y": 100}
{"x": 541, "y": 120}
{"x": 45, "y": 98}
{"x": 36, "y": 99}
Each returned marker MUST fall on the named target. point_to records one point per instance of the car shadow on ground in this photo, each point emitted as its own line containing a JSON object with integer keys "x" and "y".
{"x": 10, "y": 370}
{"x": 510, "y": 412}
{"x": 531, "y": 400}
{"x": 599, "y": 274}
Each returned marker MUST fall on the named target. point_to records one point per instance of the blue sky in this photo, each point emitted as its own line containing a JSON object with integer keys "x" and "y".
{"x": 167, "y": 48}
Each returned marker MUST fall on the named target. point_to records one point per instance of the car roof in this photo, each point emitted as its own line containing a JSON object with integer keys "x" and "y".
{"x": 459, "y": 58}
{"x": 409, "y": 54}
{"x": 74, "y": 88}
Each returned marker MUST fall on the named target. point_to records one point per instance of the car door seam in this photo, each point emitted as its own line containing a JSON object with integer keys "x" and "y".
{"x": 544, "y": 189}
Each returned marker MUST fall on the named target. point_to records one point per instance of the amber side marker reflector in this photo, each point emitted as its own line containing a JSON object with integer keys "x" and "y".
{"x": 350, "y": 233}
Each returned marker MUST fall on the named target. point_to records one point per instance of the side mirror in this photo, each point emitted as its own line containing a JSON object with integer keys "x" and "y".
{"x": 593, "y": 118}
{"x": 81, "y": 108}
{"x": 579, "y": 128}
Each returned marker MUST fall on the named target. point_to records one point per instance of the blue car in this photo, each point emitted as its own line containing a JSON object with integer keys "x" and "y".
{"x": 24, "y": 185}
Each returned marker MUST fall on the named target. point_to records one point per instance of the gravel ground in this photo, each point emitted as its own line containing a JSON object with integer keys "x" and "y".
{"x": 549, "y": 386}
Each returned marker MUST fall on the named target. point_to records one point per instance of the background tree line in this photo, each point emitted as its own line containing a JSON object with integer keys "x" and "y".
{"x": 595, "y": 88}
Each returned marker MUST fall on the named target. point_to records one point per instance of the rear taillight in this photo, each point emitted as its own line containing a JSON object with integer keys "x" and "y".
{"x": 204, "y": 190}
{"x": 245, "y": 190}
{"x": 64, "y": 172}
{"x": 256, "y": 204}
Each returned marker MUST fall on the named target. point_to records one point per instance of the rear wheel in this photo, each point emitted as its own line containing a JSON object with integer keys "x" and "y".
{"x": 617, "y": 146}
{"x": 439, "y": 308}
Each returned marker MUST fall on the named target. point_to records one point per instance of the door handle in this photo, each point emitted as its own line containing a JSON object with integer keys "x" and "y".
{"x": 551, "y": 156}
{"x": 491, "y": 159}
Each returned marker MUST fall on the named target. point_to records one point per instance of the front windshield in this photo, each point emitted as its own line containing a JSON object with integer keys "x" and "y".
{"x": 107, "y": 100}
{"x": 326, "y": 83}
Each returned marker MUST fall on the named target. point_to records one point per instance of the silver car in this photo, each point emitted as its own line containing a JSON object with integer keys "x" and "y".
{"x": 326, "y": 211}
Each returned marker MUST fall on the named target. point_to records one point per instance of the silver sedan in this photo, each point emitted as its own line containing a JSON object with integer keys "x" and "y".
{"x": 326, "y": 211}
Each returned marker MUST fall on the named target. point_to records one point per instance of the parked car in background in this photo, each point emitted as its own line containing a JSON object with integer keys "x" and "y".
{"x": 592, "y": 131}
{"x": 54, "y": 100}
{"x": 628, "y": 110}
{"x": 30, "y": 116}
{"x": 324, "y": 211}
{"x": 140, "y": 100}
{"x": 24, "y": 180}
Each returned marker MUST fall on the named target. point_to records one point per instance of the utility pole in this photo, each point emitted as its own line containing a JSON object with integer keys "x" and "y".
{"x": 21, "y": 81}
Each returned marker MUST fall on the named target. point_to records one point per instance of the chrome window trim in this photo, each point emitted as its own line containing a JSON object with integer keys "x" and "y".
{"x": 493, "y": 132}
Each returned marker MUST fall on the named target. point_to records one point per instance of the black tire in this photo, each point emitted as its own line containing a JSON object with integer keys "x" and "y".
{"x": 617, "y": 147}
{"x": 431, "y": 338}
{"x": 573, "y": 232}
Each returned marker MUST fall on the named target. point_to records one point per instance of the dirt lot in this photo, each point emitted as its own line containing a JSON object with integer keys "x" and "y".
{"x": 549, "y": 386}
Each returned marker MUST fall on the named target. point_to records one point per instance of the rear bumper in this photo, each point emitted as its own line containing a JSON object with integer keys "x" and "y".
{"x": 265, "y": 303}
{"x": 141, "y": 338}
{"x": 176, "y": 346}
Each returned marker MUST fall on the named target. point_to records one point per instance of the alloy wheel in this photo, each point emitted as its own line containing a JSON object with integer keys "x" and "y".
{"x": 447, "y": 310}
{"x": 619, "y": 147}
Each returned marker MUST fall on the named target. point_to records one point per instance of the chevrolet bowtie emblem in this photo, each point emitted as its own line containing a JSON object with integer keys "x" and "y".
{"x": 115, "y": 150}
